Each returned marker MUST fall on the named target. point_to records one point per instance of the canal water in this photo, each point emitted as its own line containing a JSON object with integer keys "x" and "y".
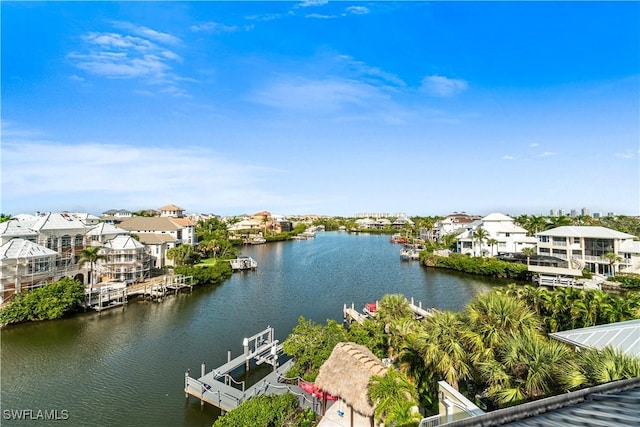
{"x": 125, "y": 367}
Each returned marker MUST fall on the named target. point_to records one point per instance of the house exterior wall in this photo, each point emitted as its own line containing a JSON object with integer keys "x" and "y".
{"x": 587, "y": 251}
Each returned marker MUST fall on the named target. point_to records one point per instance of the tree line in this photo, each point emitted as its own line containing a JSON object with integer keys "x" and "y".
{"x": 496, "y": 351}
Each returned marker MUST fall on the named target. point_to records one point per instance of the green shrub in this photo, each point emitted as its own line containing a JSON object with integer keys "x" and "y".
{"x": 587, "y": 274}
{"x": 261, "y": 411}
{"x": 207, "y": 274}
{"x": 628, "y": 281}
{"x": 51, "y": 301}
{"x": 478, "y": 265}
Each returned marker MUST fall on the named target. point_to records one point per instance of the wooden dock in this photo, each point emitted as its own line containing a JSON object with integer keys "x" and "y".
{"x": 111, "y": 296}
{"x": 218, "y": 387}
{"x": 350, "y": 314}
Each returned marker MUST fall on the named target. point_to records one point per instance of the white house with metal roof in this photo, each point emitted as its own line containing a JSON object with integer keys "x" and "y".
{"x": 586, "y": 245}
{"x": 24, "y": 265}
{"x": 510, "y": 237}
{"x": 126, "y": 259}
{"x": 103, "y": 232}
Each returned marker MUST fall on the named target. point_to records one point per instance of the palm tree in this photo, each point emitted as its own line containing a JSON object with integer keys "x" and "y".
{"x": 393, "y": 396}
{"x": 606, "y": 365}
{"x": 536, "y": 224}
{"x": 613, "y": 258}
{"x": 442, "y": 349}
{"x": 530, "y": 366}
{"x": 393, "y": 308}
{"x": 529, "y": 252}
{"x": 492, "y": 242}
{"x": 90, "y": 255}
{"x": 479, "y": 235}
{"x": 492, "y": 318}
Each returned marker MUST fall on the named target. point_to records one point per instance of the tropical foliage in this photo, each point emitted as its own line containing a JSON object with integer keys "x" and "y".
{"x": 51, "y": 301}
{"x": 496, "y": 351}
{"x": 627, "y": 280}
{"x": 569, "y": 308}
{"x": 183, "y": 255}
{"x": 208, "y": 274}
{"x": 395, "y": 399}
{"x": 477, "y": 265}
{"x": 268, "y": 411}
{"x": 90, "y": 255}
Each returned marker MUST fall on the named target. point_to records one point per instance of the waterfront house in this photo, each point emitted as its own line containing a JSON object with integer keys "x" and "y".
{"x": 102, "y": 233}
{"x": 24, "y": 264}
{"x": 401, "y": 222}
{"x": 510, "y": 237}
{"x": 162, "y": 232}
{"x": 127, "y": 260}
{"x": 40, "y": 249}
{"x": 585, "y": 246}
{"x": 450, "y": 224}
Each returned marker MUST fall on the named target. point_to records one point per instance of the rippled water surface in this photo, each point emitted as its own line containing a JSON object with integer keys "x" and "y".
{"x": 126, "y": 367}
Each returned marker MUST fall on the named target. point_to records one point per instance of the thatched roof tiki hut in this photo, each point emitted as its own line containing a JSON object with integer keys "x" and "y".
{"x": 346, "y": 375}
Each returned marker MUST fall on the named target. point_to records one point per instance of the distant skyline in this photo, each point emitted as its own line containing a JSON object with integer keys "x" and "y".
{"x": 331, "y": 108}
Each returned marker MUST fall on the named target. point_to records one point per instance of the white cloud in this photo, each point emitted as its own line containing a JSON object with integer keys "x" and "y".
{"x": 125, "y": 56}
{"x": 625, "y": 155}
{"x": 308, "y": 3}
{"x": 320, "y": 16}
{"x": 534, "y": 144}
{"x": 357, "y": 10}
{"x": 547, "y": 154}
{"x": 125, "y": 173}
{"x": 508, "y": 157}
{"x": 147, "y": 32}
{"x": 368, "y": 72}
{"x": 443, "y": 86}
{"x": 214, "y": 27}
{"x": 319, "y": 94}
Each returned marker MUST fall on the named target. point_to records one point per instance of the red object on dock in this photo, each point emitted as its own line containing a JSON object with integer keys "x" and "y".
{"x": 371, "y": 307}
{"x": 313, "y": 390}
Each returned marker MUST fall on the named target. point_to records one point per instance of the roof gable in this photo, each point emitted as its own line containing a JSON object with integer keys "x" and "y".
{"x": 21, "y": 248}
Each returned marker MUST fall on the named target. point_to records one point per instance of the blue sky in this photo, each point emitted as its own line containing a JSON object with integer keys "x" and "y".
{"x": 321, "y": 107}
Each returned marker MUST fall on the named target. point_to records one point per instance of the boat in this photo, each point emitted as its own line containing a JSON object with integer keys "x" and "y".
{"x": 396, "y": 238}
{"x": 243, "y": 263}
{"x": 370, "y": 309}
{"x": 258, "y": 240}
{"x": 410, "y": 252}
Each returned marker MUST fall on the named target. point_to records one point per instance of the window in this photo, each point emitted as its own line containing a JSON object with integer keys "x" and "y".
{"x": 507, "y": 234}
{"x": 543, "y": 239}
{"x": 576, "y": 240}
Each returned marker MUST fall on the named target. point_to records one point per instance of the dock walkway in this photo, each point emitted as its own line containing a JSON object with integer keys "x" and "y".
{"x": 350, "y": 314}
{"x": 220, "y": 389}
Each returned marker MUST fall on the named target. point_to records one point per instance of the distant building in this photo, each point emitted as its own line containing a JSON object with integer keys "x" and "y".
{"x": 553, "y": 212}
{"x": 510, "y": 237}
{"x": 585, "y": 212}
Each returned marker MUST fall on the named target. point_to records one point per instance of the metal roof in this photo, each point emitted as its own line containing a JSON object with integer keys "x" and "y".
{"x": 606, "y": 405}
{"x": 587, "y": 231}
{"x": 623, "y": 336}
{"x": 598, "y": 409}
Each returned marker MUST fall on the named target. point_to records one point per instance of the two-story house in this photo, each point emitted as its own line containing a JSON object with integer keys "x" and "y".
{"x": 585, "y": 246}
{"x": 24, "y": 264}
{"x": 159, "y": 233}
{"x": 508, "y": 237}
